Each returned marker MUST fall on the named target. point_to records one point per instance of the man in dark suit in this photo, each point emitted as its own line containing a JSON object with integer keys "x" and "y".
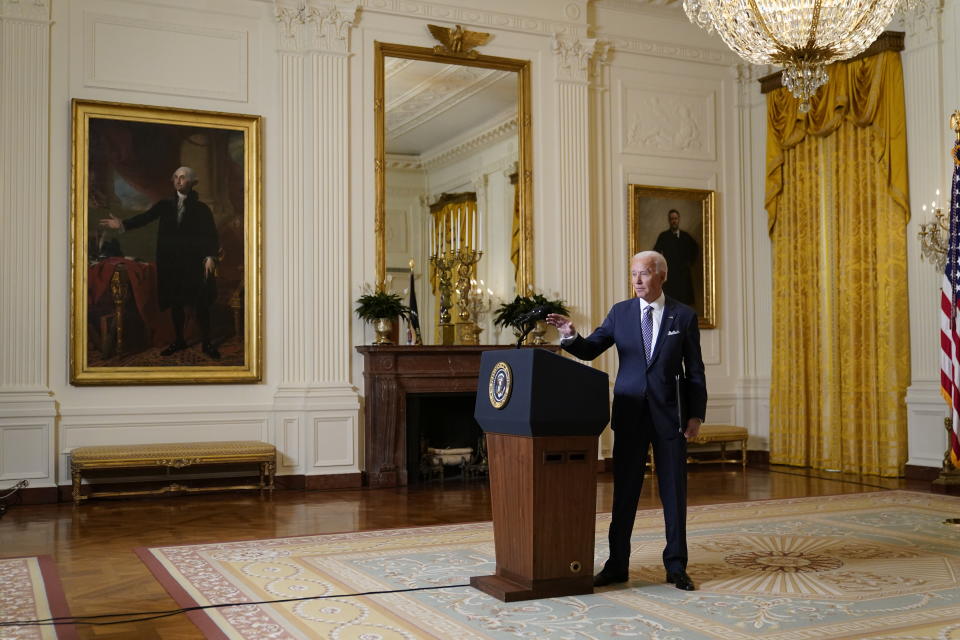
{"x": 187, "y": 248}
{"x": 660, "y": 397}
{"x": 681, "y": 252}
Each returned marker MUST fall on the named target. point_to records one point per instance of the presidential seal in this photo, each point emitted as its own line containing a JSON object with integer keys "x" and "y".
{"x": 501, "y": 383}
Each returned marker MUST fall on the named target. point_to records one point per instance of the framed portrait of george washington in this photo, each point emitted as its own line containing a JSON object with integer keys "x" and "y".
{"x": 165, "y": 241}
{"x": 680, "y": 224}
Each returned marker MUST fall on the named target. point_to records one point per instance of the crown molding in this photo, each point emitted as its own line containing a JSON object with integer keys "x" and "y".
{"x": 636, "y": 6}
{"x": 420, "y": 104}
{"x": 451, "y": 14}
{"x": 627, "y": 44}
{"x": 471, "y": 143}
{"x": 402, "y": 161}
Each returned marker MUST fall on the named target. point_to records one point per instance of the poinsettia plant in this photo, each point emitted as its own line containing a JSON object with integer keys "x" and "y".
{"x": 380, "y": 304}
{"x": 508, "y": 313}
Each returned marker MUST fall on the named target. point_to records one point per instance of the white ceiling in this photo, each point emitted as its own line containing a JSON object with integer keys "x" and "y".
{"x": 430, "y": 103}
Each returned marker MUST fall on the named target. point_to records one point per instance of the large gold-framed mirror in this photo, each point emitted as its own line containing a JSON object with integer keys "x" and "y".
{"x": 453, "y": 171}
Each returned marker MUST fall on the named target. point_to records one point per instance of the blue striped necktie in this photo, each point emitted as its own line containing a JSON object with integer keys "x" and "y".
{"x": 646, "y": 330}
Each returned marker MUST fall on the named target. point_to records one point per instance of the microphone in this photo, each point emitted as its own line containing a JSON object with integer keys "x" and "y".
{"x": 537, "y": 313}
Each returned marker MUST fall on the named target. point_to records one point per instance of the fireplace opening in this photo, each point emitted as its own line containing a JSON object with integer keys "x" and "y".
{"x": 444, "y": 442}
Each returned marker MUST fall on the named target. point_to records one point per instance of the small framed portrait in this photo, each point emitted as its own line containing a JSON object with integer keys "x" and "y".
{"x": 680, "y": 224}
{"x": 165, "y": 283}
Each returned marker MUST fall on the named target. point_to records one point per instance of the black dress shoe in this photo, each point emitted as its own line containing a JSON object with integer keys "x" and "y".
{"x": 605, "y": 577}
{"x": 681, "y": 580}
{"x": 179, "y": 345}
{"x": 211, "y": 351}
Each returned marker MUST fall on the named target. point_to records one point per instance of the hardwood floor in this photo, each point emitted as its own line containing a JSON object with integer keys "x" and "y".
{"x": 93, "y": 544}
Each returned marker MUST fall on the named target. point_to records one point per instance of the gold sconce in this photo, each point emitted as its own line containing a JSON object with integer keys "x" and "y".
{"x": 933, "y": 236}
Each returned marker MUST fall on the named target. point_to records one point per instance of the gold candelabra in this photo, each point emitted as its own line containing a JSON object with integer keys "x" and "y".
{"x": 466, "y": 328}
{"x": 443, "y": 262}
{"x": 480, "y": 303}
{"x": 455, "y": 245}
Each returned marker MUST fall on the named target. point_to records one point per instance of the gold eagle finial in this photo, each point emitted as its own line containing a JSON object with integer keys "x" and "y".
{"x": 457, "y": 41}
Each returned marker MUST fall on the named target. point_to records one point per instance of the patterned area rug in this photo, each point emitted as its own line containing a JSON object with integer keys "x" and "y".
{"x": 31, "y": 590}
{"x": 873, "y": 565}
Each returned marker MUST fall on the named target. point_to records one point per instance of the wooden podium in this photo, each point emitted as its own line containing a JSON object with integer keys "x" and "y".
{"x": 541, "y": 414}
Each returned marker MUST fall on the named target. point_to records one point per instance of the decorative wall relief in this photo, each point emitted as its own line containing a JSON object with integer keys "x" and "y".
{"x": 679, "y": 125}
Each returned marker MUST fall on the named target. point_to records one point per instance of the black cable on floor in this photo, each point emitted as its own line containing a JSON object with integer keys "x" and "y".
{"x": 809, "y": 477}
{"x": 145, "y": 616}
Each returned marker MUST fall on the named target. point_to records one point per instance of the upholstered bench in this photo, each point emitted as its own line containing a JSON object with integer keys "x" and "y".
{"x": 722, "y": 434}
{"x": 172, "y": 456}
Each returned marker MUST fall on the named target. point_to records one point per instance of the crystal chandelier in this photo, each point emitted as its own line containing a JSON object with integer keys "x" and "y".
{"x": 802, "y": 36}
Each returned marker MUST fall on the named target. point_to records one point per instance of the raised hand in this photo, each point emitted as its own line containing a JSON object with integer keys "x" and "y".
{"x": 113, "y": 222}
{"x": 563, "y": 324}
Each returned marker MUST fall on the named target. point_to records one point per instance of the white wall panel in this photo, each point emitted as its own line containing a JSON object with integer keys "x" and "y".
{"x": 722, "y": 409}
{"x": 926, "y": 438}
{"x": 335, "y": 439}
{"x": 289, "y": 443}
{"x": 198, "y": 61}
{"x": 24, "y": 450}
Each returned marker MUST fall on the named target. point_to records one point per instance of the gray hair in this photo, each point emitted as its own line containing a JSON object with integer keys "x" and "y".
{"x": 657, "y": 258}
{"x": 191, "y": 174}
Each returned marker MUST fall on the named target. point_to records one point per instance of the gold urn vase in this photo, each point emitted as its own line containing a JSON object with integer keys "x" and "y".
{"x": 383, "y": 327}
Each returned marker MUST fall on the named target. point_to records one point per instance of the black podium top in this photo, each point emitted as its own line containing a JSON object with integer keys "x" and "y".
{"x": 533, "y": 392}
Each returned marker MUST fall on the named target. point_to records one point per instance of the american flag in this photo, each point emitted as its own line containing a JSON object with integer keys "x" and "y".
{"x": 949, "y": 304}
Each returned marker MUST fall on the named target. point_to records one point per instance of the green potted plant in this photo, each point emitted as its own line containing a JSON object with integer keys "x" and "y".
{"x": 379, "y": 309}
{"x": 508, "y": 314}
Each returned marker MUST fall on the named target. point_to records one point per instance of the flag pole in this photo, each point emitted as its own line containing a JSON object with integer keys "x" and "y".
{"x": 413, "y": 320}
{"x": 949, "y": 472}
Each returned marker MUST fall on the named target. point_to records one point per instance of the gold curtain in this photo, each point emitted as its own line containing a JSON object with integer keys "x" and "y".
{"x": 516, "y": 234}
{"x": 836, "y": 195}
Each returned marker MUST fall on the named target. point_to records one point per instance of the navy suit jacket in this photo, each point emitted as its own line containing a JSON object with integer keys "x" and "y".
{"x": 672, "y": 387}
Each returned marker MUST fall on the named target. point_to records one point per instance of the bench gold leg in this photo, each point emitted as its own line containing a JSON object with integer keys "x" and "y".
{"x": 266, "y": 476}
{"x": 743, "y": 454}
{"x": 75, "y": 476}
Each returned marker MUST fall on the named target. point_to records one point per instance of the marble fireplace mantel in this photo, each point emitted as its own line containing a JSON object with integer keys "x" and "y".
{"x": 392, "y": 372}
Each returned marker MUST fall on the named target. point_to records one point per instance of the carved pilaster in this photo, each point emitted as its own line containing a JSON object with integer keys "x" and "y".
{"x": 598, "y": 63}
{"x": 922, "y": 22}
{"x": 27, "y": 409}
{"x": 928, "y": 73}
{"x": 929, "y": 170}
{"x": 315, "y": 149}
{"x": 24, "y": 211}
{"x": 574, "y": 57}
{"x": 25, "y": 10}
{"x": 316, "y": 28}
{"x": 315, "y": 393}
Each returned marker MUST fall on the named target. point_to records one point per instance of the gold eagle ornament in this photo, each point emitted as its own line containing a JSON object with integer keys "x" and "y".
{"x": 457, "y": 41}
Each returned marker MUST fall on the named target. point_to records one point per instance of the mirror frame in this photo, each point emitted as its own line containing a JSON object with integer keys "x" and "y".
{"x": 383, "y": 50}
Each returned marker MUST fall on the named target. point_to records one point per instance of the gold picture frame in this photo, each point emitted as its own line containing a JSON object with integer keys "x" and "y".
{"x": 691, "y": 277}
{"x": 149, "y": 304}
